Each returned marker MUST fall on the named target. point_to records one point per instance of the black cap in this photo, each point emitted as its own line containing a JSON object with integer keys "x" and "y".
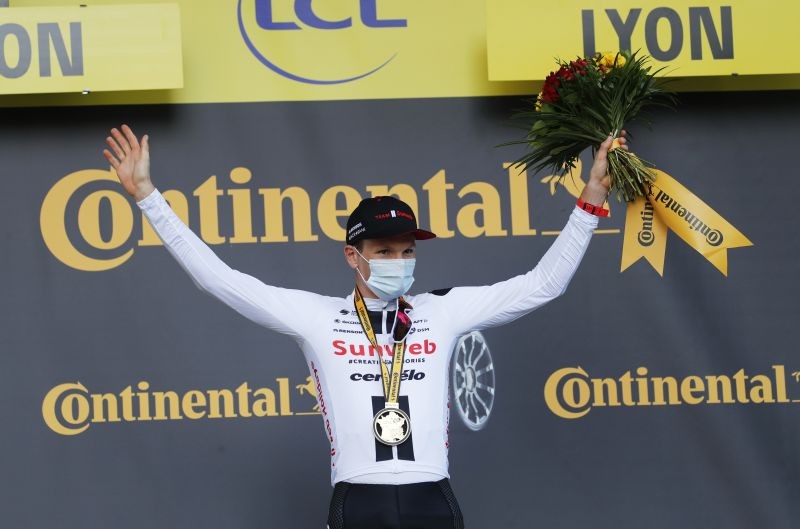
{"x": 385, "y": 216}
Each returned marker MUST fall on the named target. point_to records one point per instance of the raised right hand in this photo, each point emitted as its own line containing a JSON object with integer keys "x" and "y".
{"x": 131, "y": 161}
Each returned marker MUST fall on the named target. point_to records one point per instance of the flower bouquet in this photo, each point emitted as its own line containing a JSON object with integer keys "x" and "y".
{"x": 583, "y": 102}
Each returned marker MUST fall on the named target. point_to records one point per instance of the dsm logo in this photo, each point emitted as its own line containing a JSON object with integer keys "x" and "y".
{"x": 322, "y": 42}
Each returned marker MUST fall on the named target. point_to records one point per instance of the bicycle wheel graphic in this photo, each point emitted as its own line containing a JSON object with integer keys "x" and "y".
{"x": 472, "y": 380}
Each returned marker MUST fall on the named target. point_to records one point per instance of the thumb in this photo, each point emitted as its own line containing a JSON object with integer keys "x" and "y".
{"x": 146, "y": 143}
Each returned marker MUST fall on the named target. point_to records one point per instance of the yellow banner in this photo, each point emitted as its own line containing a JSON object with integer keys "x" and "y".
{"x": 304, "y": 50}
{"x": 89, "y": 49}
{"x": 669, "y": 205}
{"x": 690, "y": 38}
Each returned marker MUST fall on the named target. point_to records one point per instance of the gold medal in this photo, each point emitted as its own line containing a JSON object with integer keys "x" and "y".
{"x": 391, "y": 426}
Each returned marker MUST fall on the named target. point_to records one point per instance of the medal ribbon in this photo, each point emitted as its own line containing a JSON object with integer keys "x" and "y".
{"x": 391, "y": 382}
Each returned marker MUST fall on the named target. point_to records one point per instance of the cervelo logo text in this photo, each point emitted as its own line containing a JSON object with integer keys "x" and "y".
{"x": 312, "y": 42}
{"x": 408, "y": 374}
{"x": 570, "y": 393}
{"x": 342, "y": 348}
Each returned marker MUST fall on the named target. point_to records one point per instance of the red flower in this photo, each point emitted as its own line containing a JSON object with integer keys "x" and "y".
{"x": 549, "y": 90}
{"x": 579, "y": 67}
{"x": 565, "y": 73}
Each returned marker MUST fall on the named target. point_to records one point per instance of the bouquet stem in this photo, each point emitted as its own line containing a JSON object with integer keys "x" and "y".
{"x": 630, "y": 175}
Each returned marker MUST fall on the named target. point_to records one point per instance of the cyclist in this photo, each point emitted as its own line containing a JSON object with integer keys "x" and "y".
{"x": 389, "y": 447}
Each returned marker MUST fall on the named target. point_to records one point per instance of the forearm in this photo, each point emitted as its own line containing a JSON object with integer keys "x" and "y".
{"x": 270, "y": 306}
{"x": 559, "y": 264}
{"x": 500, "y": 303}
{"x": 191, "y": 253}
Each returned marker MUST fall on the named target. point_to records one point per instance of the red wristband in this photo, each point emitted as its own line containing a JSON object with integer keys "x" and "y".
{"x": 594, "y": 210}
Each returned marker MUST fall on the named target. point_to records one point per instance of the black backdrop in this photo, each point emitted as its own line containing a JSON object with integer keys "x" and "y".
{"x": 706, "y": 465}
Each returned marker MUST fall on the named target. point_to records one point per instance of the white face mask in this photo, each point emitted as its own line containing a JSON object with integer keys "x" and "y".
{"x": 389, "y": 278}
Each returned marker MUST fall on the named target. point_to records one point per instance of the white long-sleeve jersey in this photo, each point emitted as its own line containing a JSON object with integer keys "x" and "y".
{"x": 343, "y": 364}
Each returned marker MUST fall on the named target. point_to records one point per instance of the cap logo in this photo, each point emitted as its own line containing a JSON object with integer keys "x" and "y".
{"x": 394, "y": 213}
{"x": 357, "y": 232}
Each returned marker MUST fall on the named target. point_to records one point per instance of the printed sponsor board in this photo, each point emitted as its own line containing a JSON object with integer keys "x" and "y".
{"x": 295, "y": 207}
{"x": 90, "y": 48}
{"x": 288, "y": 50}
{"x": 688, "y": 39}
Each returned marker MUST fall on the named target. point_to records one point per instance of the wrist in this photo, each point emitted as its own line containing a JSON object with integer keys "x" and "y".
{"x": 143, "y": 191}
{"x": 598, "y": 211}
{"x": 594, "y": 193}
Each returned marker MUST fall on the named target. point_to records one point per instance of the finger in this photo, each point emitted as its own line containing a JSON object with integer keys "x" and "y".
{"x": 146, "y": 143}
{"x": 623, "y": 139}
{"x": 131, "y": 137}
{"x": 602, "y": 152}
{"x": 110, "y": 157}
{"x": 115, "y": 147}
{"x": 121, "y": 140}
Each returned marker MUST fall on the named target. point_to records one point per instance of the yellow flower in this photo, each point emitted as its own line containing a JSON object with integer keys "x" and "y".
{"x": 538, "y": 105}
{"x": 609, "y": 60}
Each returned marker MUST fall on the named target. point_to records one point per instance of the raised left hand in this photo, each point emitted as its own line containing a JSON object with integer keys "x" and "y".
{"x": 599, "y": 184}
